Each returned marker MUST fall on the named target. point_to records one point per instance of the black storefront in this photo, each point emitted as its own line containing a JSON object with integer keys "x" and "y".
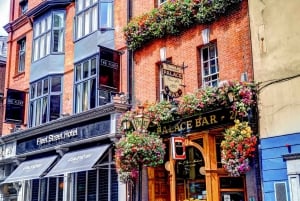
{"x": 70, "y": 158}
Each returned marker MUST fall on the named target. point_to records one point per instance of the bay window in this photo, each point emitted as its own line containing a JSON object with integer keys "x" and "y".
{"x": 91, "y": 15}
{"x": 49, "y": 35}
{"x": 45, "y": 100}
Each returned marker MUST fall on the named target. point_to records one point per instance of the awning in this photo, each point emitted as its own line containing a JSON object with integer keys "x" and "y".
{"x": 78, "y": 161}
{"x": 31, "y": 169}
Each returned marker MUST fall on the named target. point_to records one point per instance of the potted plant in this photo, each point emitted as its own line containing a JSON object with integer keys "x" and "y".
{"x": 238, "y": 147}
{"x": 135, "y": 150}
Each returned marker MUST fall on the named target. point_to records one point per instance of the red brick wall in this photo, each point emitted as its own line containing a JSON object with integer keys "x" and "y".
{"x": 21, "y": 81}
{"x": 231, "y": 33}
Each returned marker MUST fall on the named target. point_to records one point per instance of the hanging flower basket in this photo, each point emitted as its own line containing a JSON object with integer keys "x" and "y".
{"x": 238, "y": 147}
{"x": 136, "y": 150}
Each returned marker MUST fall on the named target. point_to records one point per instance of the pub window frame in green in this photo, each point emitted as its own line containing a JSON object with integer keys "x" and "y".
{"x": 42, "y": 94}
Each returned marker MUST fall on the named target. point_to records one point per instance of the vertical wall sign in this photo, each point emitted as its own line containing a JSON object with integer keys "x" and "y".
{"x": 15, "y": 105}
{"x": 109, "y": 76}
{"x": 178, "y": 148}
{"x": 172, "y": 80}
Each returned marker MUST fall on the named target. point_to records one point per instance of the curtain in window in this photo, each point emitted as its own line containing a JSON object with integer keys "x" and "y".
{"x": 44, "y": 109}
{"x": 87, "y": 22}
{"x": 85, "y": 97}
{"x": 78, "y": 99}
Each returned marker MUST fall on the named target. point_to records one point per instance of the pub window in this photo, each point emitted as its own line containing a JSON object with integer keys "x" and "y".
{"x": 21, "y": 55}
{"x": 48, "y": 35}
{"x": 45, "y": 100}
{"x": 232, "y": 188}
{"x": 209, "y": 65}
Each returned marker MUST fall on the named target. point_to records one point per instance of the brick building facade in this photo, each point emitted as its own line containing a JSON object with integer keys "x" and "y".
{"x": 228, "y": 42}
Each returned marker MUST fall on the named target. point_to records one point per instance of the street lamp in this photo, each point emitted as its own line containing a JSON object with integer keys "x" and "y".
{"x": 140, "y": 123}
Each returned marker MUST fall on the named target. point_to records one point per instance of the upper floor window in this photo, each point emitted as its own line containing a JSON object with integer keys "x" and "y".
{"x": 87, "y": 17}
{"x": 85, "y": 85}
{"x": 23, "y": 6}
{"x": 49, "y": 35}
{"x": 45, "y": 100}
{"x": 21, "y": 55}
{"x": 161, "y": 2}
{"x": 209, "y": 64}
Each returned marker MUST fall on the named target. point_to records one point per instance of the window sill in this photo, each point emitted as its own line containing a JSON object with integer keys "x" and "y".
{"x": 19, "y": 76}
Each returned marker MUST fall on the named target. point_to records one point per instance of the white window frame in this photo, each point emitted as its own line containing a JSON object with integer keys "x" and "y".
{"x": 209, "y": 78}
{"x": 40, "y": 101}
{"x": 44, "y": 31}
{"x": 22, "y": 55}
{"x": 294, "y": 186}
{"x": 160, "y": 2}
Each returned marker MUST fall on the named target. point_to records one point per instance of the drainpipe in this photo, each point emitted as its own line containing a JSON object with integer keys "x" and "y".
{"x": 129, "y": 59}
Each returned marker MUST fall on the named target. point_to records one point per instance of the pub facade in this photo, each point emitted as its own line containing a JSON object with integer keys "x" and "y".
{"x": 172, "y": 51}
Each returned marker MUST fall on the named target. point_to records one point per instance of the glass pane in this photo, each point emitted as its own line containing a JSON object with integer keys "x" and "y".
{"x": 205, "y": 54}
{"x": 32, "y": 91}
{"x": 44, "y": 109}
{"x": 79, "y": 26}
{"x": 42, "y": 46}
{"x": 38, "y": 112}
{"x": 49, "y": 22}
{"x": 54, "y": 107}
{"x": 58, "y": 20}
{"x": 212, "y": 52}
{"x": 31, "y": 114}
{"x": 87, "y": 23}
{"x": 79, "y": 5}
{"x": 103, "y": 183}
{"x": 92, "y": 185}
{"x": 37, "y": 29}
{"x": 86, "y": 69}
{"x": 43, "y": 26}
{"x": 35, "y": 190}
{"x": 78, "y": 95}
{"x": 85, "y": 96}
{"x": 93, "y": 66}
{"x": 57, "y": 40}
{"x": 106, "y": 15}
{"x": 94, "y": 18}
{"x": 60, "y": 189}
{"x": 81, "y": 185}
{"x": 78, "y": 72}
{"x": 43, "y": 190}
{"x": 213, "y": 66}
{"x": 93, "y": 93}
{"x": 39, "y": 88}
{"x": 56, "y": 84}
{"x": 48, "y": 42}
{"x": 114, "y": 183}
{"x": 205, "y": 68}
{"x": 36, "y": 49}
{"x": 87, "y": 3}
{"x": 52, "y": 189}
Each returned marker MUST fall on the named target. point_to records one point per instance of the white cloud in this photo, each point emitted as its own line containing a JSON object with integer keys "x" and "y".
{"x": 4, "y": 17}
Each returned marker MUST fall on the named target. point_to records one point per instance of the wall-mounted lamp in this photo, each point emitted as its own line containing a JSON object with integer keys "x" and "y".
{"x": 163, "y": 54}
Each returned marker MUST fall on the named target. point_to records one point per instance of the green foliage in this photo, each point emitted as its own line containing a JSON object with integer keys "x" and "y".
{"x": 172, "y": 18}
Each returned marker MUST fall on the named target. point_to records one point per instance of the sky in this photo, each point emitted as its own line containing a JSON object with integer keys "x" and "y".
{"x": 4, "y": 15}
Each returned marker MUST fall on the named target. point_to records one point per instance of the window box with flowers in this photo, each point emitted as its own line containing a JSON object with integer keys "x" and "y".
{"x": 172, "y": 18}
{"x": 238, "y": 147}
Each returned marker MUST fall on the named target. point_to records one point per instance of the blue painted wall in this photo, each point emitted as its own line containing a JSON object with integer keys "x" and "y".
{"x": 273, "y": 166}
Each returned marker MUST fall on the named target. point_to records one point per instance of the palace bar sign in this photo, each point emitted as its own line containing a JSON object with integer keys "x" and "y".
{"x": 197, "y": 123}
